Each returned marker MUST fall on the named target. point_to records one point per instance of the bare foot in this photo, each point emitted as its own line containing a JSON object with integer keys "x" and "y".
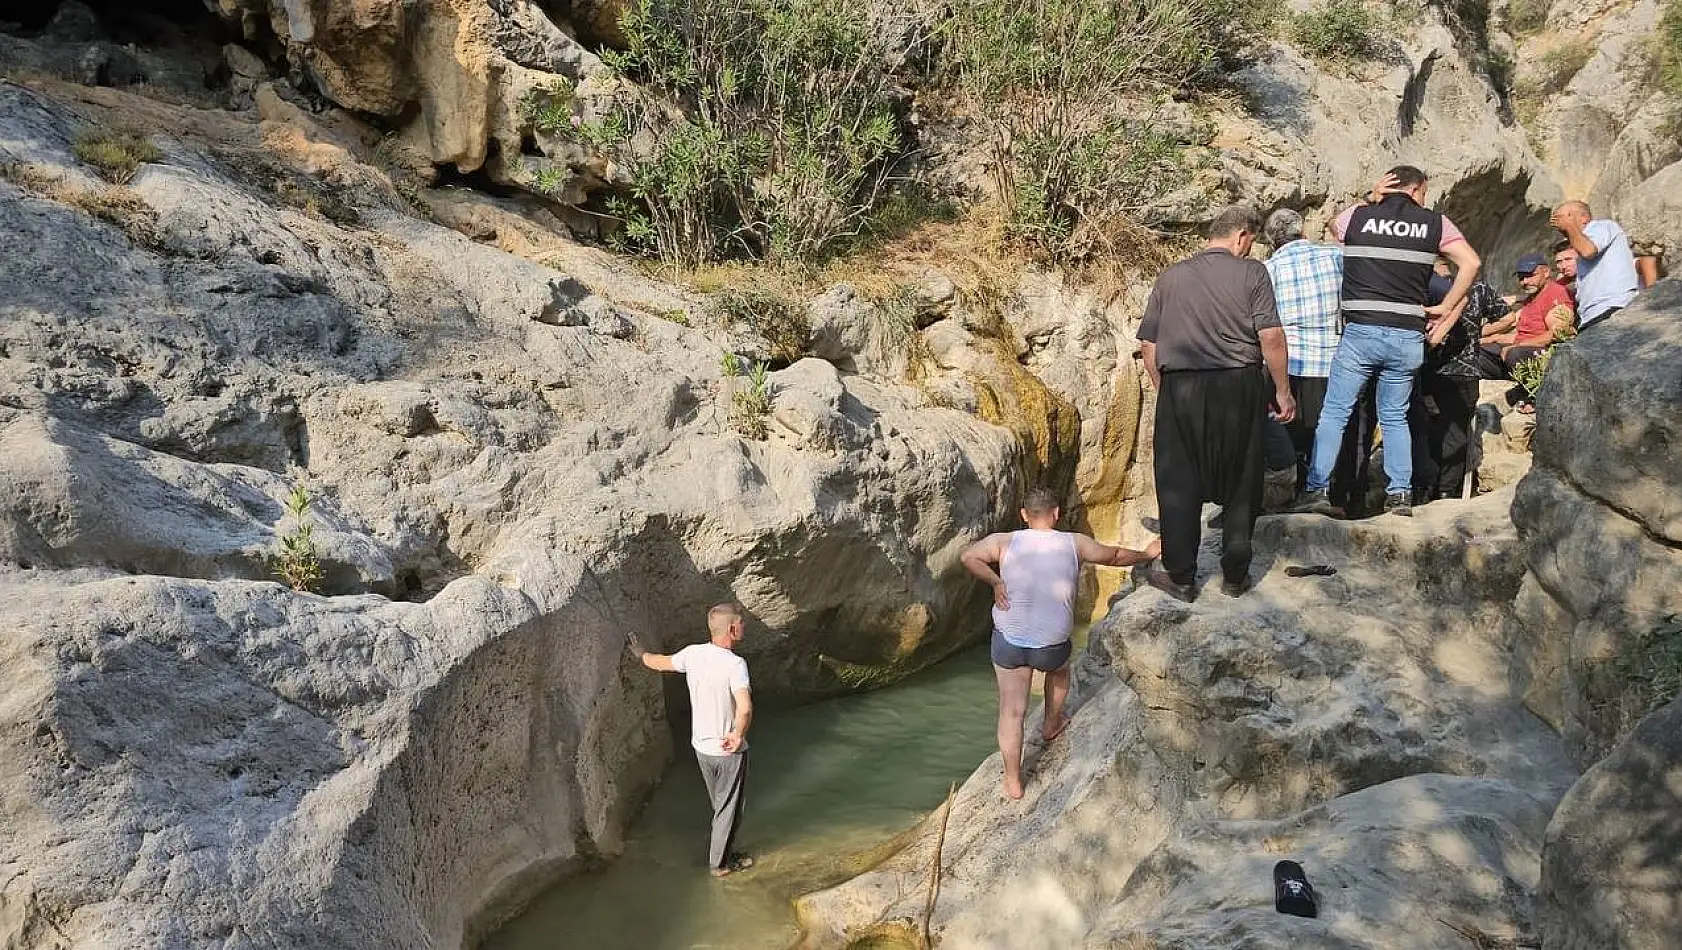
{"x": 1050, "y": 735}
{"x": 1013, "y": 788}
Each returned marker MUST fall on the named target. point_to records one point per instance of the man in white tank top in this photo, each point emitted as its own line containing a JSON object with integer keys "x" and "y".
{"x": 1037, "y": 573}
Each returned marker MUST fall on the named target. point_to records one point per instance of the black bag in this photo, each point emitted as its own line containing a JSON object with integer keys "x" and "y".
{"x": 1292, "y": 894}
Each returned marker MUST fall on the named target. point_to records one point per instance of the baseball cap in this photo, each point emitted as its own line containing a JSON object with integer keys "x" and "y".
{"x": 1528, "y": 264}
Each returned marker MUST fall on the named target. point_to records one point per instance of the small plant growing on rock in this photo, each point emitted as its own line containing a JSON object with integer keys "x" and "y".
{"x": 548, "y": 180}
{"x": 730, "y": 365}
{"x": 751, "y": 405}
{"x": 297, "y": 562}
{"x": 117, "y": 155}
{"x": 1346, "y": 29}
{"x": 1531, "y": 372}
{"x": 548, "y": 109}
{"x": 782, "y": 322}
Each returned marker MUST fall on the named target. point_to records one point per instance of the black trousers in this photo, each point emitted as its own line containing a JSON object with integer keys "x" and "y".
{"x": 1349, "y": 475}
{"x": 1210, "y": 429}
{"x": 1440, "y": 417}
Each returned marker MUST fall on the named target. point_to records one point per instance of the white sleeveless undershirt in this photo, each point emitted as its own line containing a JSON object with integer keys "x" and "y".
{"x": 1041, "y": 570}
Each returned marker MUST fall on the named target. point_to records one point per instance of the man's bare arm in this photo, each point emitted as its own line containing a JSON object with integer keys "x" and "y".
{"x": 658, "y": 662}
{"x": 980, "y": 558}
{"x": 744, "y": 718}
{"x": 1094, "y": 552}
{"x": 1467, "y": 263}
{"x": 1147, "y": 352}
{"x": 1276, "y": 353}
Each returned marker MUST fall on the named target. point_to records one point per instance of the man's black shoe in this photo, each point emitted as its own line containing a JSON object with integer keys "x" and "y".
{"x": 1186, "y": 593}
{"x": 1236, "y": 588}
{"x": 1312, "y": 503}
{"x": 1399, "y": 503}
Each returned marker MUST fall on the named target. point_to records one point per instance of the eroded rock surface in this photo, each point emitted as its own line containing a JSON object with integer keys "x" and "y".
{"x": 1361, "y": 723}
{"x": 511, "y": 471}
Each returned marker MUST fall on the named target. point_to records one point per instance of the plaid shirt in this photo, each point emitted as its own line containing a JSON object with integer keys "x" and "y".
{"x": 1308, "y": 284}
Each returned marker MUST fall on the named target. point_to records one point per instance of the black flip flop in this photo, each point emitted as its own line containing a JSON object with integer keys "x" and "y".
{"x": 1312, "y": 570}
{"x": 1292, "y": 894}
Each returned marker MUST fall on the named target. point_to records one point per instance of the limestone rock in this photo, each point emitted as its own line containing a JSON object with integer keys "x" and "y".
{"x": 1601, "y": 520}
{"x": 1361, "y": 722}
{"x": 1612, "y": 866}
{"x": 514, "y": 468}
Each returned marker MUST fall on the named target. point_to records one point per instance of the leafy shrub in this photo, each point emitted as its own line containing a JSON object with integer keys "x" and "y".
{"x": 1667, "y": 47}
{"x": 113, "y": 204}
{"x": 297, "y": 562}
{"x": 1057, "y": 85}
{"x": 548, "y": 109}
{"x": 117, "y": 155}
{"x": 751, "y": 405}
{"x": 730, "y": 364}
{"x": 782, "y": 322}
{"x": 1347, "y": 29}
{"x": 1527, "y": 17}
{"x": 1531, "y": 372}
{"x": 784, "y": 134}
{"x": 548, "y": 179}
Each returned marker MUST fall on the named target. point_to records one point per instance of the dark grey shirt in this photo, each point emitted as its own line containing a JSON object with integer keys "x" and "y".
{"x": 1207, "y": 312}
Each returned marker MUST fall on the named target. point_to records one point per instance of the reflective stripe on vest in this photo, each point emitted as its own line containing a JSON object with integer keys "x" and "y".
{"x": 1386, "y": 306}
{"x": 1373, "y": 252}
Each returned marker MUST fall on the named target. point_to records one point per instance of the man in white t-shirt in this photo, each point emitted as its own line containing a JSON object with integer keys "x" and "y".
{"x": 721, "y": 709}
{"x": 1606, "y": 276}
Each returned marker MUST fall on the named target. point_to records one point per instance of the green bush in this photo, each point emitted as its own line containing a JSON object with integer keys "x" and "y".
{"x": 296, "y": 561}
{"x": 781, "y": 321}
{"x": 1058, "y": 86}
{"x": 1531, "y": 372}
{"x": 117, "y": 155}
{"x": 549, "y": 109}
{"x": 751, "y": 405}
{"x": 1667, "y": 41}
{"x": 1346, "y": 29}
{"x": 1527, "y": 17}
{"x": 784, "y": 133}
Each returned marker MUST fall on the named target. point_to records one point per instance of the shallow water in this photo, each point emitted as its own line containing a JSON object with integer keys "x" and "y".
{"x": 828, "y": 784}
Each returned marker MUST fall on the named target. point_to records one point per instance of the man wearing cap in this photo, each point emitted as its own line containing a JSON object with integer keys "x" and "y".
{"x": 1546, "y": 313}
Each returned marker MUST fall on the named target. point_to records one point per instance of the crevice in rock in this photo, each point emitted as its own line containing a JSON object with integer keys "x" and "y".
{"x": 1494, "y": 213}
{"x": 1625, "y": 513}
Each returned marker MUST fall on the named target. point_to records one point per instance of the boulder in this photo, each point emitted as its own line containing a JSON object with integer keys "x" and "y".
{"x": 1612, "y": 865}
{"x": 1601, "y": 521}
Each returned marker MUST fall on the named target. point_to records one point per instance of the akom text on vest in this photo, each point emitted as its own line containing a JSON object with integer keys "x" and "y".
{"x": 1403, "y": 229}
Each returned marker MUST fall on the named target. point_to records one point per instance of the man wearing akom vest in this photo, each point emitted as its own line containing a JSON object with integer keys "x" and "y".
{"x": 1389, "y": 248}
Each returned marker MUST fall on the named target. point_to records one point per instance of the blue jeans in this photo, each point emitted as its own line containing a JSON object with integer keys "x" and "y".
{"x": 1365, "y": 351}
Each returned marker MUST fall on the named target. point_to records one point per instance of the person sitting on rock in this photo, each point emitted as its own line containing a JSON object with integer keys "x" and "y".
{"x": 721, "y": 709}
{"x": 1565, "y": 269}
{"x": 1606, "y": 275}
{"x": 1546, "y": 314}
{"x": 1034, "y": 574}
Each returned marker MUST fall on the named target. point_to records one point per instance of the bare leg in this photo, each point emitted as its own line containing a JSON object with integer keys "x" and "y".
{"x": 1013, "y": 705}
{"x": 1056, "y": 692}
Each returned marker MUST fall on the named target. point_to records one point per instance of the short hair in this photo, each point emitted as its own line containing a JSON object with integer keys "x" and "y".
{"x": 1233, "y": 219}
{"x": 1575, "y": 205}
{"x": 1283, "y": 227}
{"x": 1408, "y": 175}
{"x": 1560, "y": 247}
{"x": 721, "y": 616}
{"x": 1041, "y": 501}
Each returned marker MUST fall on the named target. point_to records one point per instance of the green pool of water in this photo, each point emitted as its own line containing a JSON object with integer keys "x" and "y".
{"x": 829, "y": 783}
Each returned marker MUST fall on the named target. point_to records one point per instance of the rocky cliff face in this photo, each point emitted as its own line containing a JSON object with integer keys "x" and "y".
{"x": 520, "y": 449}
{"x": 511, "y": 473}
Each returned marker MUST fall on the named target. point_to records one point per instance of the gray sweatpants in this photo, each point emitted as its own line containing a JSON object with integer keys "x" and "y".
{"x": 727, "y": 778}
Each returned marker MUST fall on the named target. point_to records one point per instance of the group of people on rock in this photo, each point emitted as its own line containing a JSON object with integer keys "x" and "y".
{"x": 1389, "y": 324}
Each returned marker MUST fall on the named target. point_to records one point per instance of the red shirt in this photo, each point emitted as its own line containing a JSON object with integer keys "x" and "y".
{"x": 1533, "y": 316}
